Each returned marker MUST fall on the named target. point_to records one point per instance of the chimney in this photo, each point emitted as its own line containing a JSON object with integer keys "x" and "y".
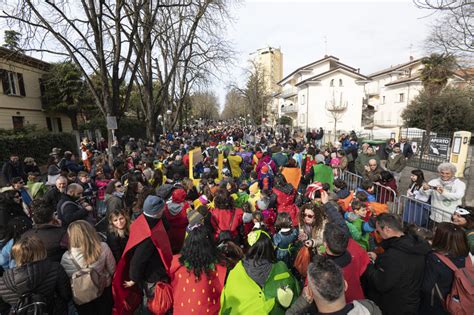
{"x": 358, "y": 70}
{"x": 411, "y": 58}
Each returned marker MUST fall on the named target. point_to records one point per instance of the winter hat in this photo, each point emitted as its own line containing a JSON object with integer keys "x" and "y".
{"x": 203, "y": 199}
{"x": 178, "y": 195}
{"x": 194, "y": 217}
{"x": 319, "y": 158}
{"x": 262, "y": 204}
{"x": 312, "y": 189}
{"x": 152, "y": 206}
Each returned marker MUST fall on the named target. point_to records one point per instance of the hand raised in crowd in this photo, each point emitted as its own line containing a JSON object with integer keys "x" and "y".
{"x": 324, "y": 197}
{"x": 302, "y": 236}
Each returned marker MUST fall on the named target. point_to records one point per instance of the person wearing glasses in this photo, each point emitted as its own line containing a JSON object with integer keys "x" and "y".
{"x": 114, "y": 194}
{"x": 372, "y": 171}
{"x": 19, "y": 185}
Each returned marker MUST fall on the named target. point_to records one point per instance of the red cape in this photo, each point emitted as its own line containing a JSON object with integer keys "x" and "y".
{"x": 127, "y": 300}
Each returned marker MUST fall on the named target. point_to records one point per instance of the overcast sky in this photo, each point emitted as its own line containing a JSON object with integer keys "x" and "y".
{"x": 370, "y": 35}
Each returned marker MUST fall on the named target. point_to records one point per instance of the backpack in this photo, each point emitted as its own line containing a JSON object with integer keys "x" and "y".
{"x": 30, "y": 304}
{"x": 86, "y": 284}
{"x": 460, "y": 300}
{"x": 226, "y": 235}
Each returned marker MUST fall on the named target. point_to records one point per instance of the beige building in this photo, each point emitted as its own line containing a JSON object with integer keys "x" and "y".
{"x": 20, "y": 94}
{"x": 270, "y": 61}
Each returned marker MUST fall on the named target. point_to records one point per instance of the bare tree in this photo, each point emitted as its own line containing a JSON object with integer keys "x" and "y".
{"x": 453, "y": 31}
{"x": 256, "y": 95}
{"x": 336, "y": 108}
{"x": 185, "y": 50}
{"x": 205, "y": 105}
{"x": 234, "y": 105}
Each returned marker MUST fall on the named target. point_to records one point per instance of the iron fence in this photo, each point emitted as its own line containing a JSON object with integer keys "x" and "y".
{"x": 428, "y": 152}
{"x": 420, "y": 213}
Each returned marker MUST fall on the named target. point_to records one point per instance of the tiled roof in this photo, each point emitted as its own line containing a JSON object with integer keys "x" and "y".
{"x": 393, "y": 68}
{"x": 333, "y": 70}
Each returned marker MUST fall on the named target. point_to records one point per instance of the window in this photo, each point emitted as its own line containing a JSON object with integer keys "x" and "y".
{"x": 49, "y": 124}
{"x": 12, "y": 83}
{"x": 18, "y": 122}
{"x": 401, "y": 97}
{"x": 60, "y": 126}
{"x": 302, "y": 120}
{"x": 340, "y": 82}
{"x": 302, "y": 99}
{"x": 331, "y": 83}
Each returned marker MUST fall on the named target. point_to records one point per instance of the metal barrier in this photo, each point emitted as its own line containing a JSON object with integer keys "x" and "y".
{"x": 421, "y": 213}
{"x": 387, "y": 195}
{"x": 352, "y": 180}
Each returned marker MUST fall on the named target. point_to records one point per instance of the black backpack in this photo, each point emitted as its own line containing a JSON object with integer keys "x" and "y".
{"x": 30, "y": 304}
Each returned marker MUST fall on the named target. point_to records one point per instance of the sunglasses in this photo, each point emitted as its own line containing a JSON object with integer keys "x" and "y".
{"x": 309, "y": 216}
{"x": 118, "y": 186}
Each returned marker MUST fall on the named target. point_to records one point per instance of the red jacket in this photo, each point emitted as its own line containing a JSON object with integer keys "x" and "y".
{"x": 177, "y": 226}
{"x": 285, "y": 203}
{"x": 127, "y": 300}
{"x": 354, "y": 270}
{"x": 221, "y": 220}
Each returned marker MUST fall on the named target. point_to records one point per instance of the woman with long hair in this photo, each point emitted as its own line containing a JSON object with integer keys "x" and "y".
{"x": 87, "y": 251}
{"x": 36, "y": 275}
{"x": 312, "y": 219}
{"x": 259, "y": 284}
{"x": 464, "y": 218}
{"x": 197, "y": 274}
{"x": 118, "y": 232}
{"x": 449, "y": 247}
{"x": 414, "y": 211}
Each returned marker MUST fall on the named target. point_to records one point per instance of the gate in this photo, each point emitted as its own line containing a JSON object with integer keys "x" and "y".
{"x": 428, "y": 152}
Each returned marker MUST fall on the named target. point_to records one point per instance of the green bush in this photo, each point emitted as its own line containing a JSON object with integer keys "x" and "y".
{"x": 37, "y": 145}
{"x": 126, "y": 127}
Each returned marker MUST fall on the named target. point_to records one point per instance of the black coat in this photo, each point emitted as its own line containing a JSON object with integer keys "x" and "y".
{"x": 10, "y": 171}
{"x": 117, "y": 244}
{"x": 176, "y": 170}
{"x": 53, "y": 196}
{"x": 8, "y": 211}
{"x": 42, "y": 277}
{"x": 71, "y": 211}
{"x": 52, "y": 237}
{"x": 395, "y": 279}
{"x": 436, "y": 272}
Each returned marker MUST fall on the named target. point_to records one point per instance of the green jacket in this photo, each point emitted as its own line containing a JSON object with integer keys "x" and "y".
{"x": 355, "y": 228}
{"x": 470, "y": 239}
{"x": 242, "y": 295}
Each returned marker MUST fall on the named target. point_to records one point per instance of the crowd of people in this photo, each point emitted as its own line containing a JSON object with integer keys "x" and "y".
{"x": 225, "y": 219}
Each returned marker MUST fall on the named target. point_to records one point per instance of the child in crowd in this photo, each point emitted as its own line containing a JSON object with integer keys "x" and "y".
{"x": 242, "y": 195}
{"x": 284, "y": 238}
{"x": 118, "y": 232}
{"x": 358, "y": 228}
{"x": 367, "y": 187}
{"x": 345, "y": 196}
{"x": 101, "y": 183}
{"x": 247, "y": 218}
{"x": 335, "y": 162}
{"x": 269, "y": 215}
{"x": 266, "y": 179}
{"x": 258, "y": 221}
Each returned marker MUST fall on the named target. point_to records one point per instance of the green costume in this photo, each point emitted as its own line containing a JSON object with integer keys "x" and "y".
{"x": 242, "y": 295}
{"x": 323, "y": 173}
{"x": 355, "y": 228}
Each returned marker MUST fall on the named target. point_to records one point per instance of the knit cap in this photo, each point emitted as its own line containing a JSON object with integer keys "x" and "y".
{"x": 152, "y": 206}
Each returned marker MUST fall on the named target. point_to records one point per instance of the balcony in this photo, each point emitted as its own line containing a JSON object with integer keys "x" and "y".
{"x": 289, "y": 92}
{"x": 388, "y": 123}
{"x": 289, "y": 109}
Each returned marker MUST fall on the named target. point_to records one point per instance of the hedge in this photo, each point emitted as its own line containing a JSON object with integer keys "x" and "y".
{"x": 37, "y": 145}
{"x": 127, "y": 127}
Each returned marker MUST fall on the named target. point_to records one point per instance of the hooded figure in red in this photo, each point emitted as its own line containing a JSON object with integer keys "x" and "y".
{"x": 146, "y": 259}
{"x": 286, "y": 196}
{"x": 176, "y": 215}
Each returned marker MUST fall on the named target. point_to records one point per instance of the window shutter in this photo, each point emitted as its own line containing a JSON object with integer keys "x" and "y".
{"x": 21, "y": 83}
{"x": 5, "y": 84}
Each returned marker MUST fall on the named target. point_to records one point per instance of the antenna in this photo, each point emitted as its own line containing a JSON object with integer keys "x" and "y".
{"x": 411, "y": 49}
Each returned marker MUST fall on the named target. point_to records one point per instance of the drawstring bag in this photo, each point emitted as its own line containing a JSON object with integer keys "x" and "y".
{"x": 302, "y": 261}
{"x": 162, "y": 300}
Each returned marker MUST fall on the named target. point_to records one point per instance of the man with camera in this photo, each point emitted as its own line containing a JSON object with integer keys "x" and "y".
{"x": 72, "y": 206}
